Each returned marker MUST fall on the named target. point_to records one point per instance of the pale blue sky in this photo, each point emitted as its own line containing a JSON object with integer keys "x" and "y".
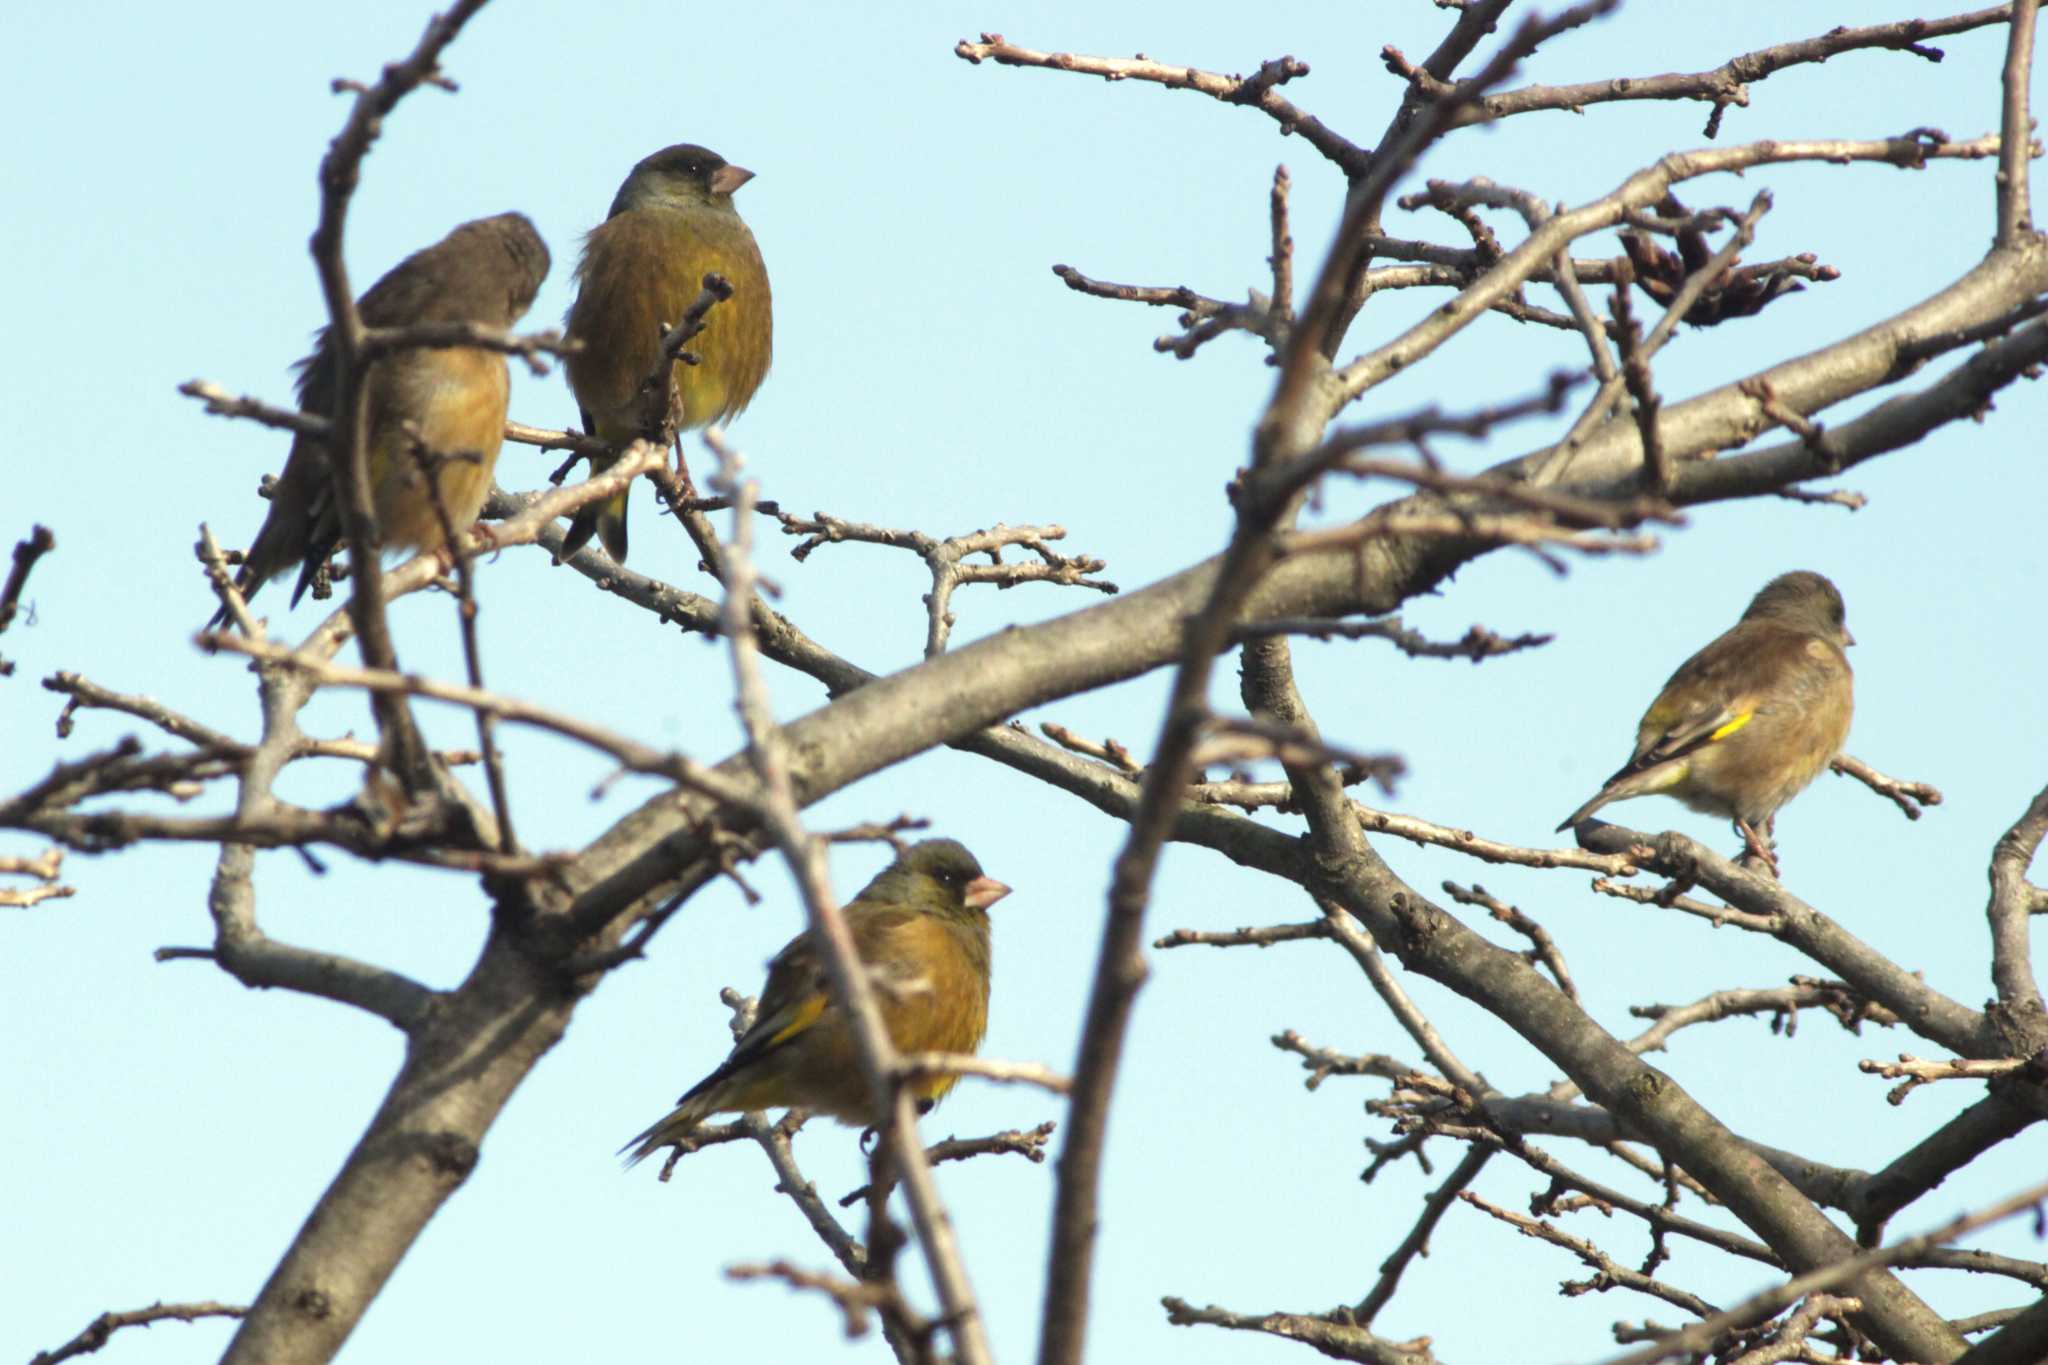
{"x": 168, "y": 1130}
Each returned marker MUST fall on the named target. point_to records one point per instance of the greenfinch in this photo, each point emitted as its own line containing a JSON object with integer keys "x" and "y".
{"x": 448, "y": 400}
{"x": 921, "y": 929}
{"x": 671, "y": 224}
{"x": 1745, "y": 724}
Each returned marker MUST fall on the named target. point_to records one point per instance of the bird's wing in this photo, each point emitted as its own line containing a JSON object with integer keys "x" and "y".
{"x": 796, "y": 995}
{"x": 799, "y": 991}
{"x": 1718, "y": 691}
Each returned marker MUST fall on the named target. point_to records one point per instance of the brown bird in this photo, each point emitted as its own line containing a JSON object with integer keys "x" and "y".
{"x": 1745, "y": 724}
{"x": 671, "y": 224}
{"x": 921, "y": 929}
{"x": 448, "y": 400}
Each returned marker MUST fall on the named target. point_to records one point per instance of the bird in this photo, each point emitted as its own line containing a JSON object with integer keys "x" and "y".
{"x": 921, "y": 928}
{"x": 450, "y": 400}
{"x": 671, "y": 223}
{"x": 1745, "y": 724}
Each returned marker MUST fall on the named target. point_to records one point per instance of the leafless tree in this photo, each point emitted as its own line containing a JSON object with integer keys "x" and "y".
{"x": 1635, "y": 457}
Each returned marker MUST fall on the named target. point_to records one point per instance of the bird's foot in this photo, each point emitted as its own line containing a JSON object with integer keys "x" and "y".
{"x": 683, "y": 479}
{"x": 1758, "y": 855}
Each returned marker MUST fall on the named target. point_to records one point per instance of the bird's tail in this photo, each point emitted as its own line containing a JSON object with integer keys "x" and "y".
{"x": 1601, "y": 798}
{"x": 608, "y": 520}
{"x": 1631, "y": 781}
{"x": 220, "y": 618}
{"x": 680, "y": 1122}
{"x": 253, "y": 574}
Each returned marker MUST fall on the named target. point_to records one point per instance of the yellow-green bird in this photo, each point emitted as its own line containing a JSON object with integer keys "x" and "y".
{"x": 449, "y": 401}
{"x": 921, "y": 928}
{"x": 1746, "y": 723}
{"x": 671, "y": 224}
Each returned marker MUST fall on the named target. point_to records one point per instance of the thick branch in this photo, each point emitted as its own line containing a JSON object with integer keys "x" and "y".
{"x": 2012, "y": 902}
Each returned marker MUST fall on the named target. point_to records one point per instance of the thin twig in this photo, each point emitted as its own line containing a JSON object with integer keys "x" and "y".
{"x": 850, "y": 985}
{"x": 102, "y": 1328}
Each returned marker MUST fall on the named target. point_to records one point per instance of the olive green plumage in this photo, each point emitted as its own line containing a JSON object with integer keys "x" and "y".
{"x": 921, "y": 927}
{"x": 671, "y": 224}
{"x": 451, "y": 399}
{"x": 1745, "y": 724}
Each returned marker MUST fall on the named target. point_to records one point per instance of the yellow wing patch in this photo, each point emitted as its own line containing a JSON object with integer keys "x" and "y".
{"x": 806, "y": 1014}
{"x": 1732, "y": 726}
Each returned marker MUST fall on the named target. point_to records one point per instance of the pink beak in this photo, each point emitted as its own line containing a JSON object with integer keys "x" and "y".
{"x": 983, "y": 892}
{"x": 726, "y": 179}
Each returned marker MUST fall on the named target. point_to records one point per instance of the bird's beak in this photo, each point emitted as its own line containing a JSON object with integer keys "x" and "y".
{"x": 1847, "y": 638}
{"x": 983, "y": 892}
{"x": 726, "y": 179}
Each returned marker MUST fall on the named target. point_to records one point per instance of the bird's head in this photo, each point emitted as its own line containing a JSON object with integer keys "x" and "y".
{"x": 1804, "y": 599}
{"x": 519, "y": 256}
{"x": 684, "y": 175}
{"x": 943, "y": 874}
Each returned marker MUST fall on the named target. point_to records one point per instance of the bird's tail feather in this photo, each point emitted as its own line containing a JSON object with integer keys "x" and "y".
{"x": 607, "y": 520}
{"x": 1604, "y": 795}
{"x": 248, "y": 580}
{"x": 693, "y": 1109}
{"x": 1631, "y": 782}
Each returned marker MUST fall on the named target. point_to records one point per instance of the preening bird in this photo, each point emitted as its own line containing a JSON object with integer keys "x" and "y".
{"x": 921, "y": 928}
{"x": 1745, "y": 724}
{"x": 447, "y": 403}
{"x": 671, "y": 223}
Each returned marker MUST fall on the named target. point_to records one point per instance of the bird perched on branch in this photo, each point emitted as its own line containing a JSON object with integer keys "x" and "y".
{"x": 671, "y": 224}
{"x": 1746, "y": 723}
{"x": 444, "y": 405}
{"x": 921, "y": 929}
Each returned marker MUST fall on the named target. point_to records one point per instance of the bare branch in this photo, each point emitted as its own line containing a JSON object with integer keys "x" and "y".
{"x": 43, "y": 868}
{"x": 1330, "y": 1337}
{"x": 1918, "y": 1071}
{"x": 855, "y": 1299}
{"x": 472, "y": 651}
{"x": 1257, "y": 91}
{"x": 1476, "y": 644}
{"x": 1927, "y": 1011}
{"x": 1420, "y": 831}
{"x": 1247, "y": 937}
{"x": 340, "y": 172}
{"x": 102, "y": 1328}
{"x": 1640, "y": 354}
{"x": 1416, "y": 1243}
{"x": 1542, "y": 948}
{"x": 25, "y": 897}
{"x": 915, "y": 1066}
{"x": 1909, "y": 797}
{"x": 1642, "y": 190}
{"x": 1607, "y": 1273}
{"x": 1703, "y": 1333}
{"x": 1321, "y": 1063}
{"x": 27, "y": 551}
{"x": 851, "y": 988}
{"x": 1728, "y": 84}
{"x": 380, "y": 341}
{"x": 2013, "y": 900}
{"x": 1028, "y": 1143}
{"x": 630, "y": 754}
{"x": 220, "y": 403}
{"x": 946, "y": 560}
{"x": 773, "y": 1139}
{"x": 2016, "y": 129}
